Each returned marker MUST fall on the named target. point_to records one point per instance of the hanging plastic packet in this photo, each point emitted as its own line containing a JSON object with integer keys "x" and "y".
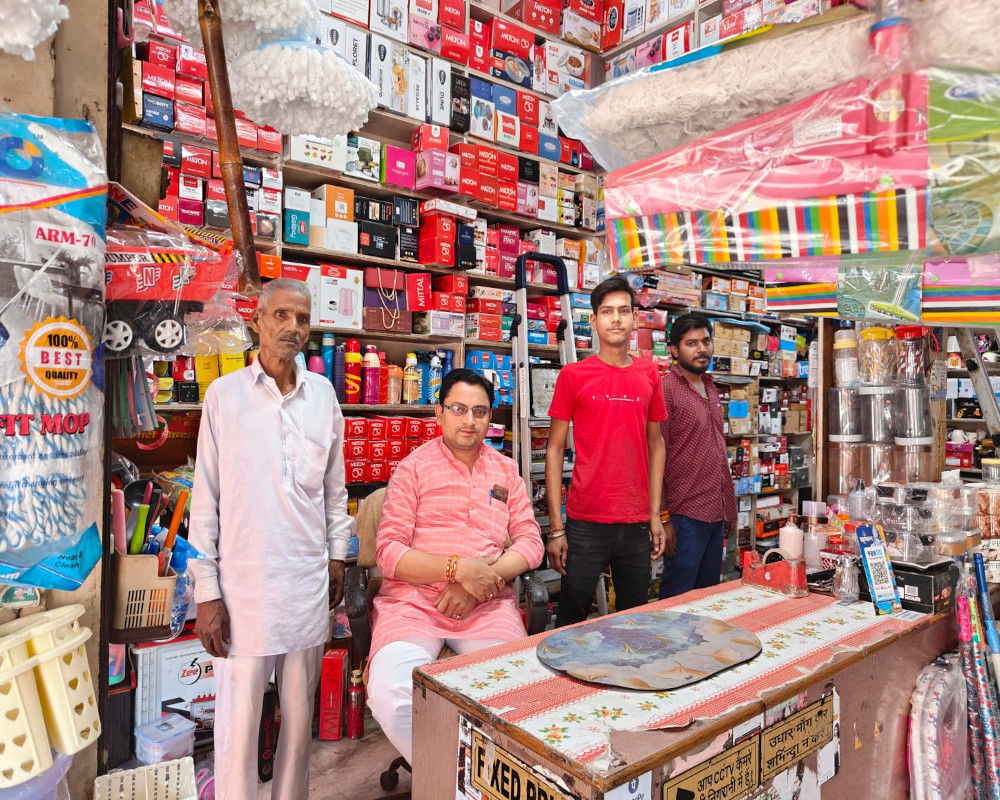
{"x": 53, "y": 185}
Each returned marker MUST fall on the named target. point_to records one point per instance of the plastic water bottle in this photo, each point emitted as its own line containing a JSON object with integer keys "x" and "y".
{"x": 424, "y": 365}
{"x": 340, "y": 372}
{"x": 369, "y": 376}
{"x": 433, "y": 381}
{"x": 352, "y": 372}
{"x": 394, "y": 391}
{"x": 327, "y": 352}
{"x": 446, "y": 357}
{"x": 315, "y": 362}
{"x": 383, "y": 379}
{"x": 411, "y": 380}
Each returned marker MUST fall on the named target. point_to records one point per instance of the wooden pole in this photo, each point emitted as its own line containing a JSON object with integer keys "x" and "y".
{"x": 230, "y": 161}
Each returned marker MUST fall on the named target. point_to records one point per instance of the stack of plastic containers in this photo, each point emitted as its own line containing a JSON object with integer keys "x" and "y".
{"x": 913, "y": 458}
{"x": 844, "y": 412}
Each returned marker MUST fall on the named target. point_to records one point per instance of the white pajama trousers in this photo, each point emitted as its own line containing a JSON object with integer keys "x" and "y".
{"x": 390, "y": 683}
{"x": 240, "y": 682}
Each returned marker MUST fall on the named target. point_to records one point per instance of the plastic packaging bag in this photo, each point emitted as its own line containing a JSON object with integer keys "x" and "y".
{"x": 52, "y": 209}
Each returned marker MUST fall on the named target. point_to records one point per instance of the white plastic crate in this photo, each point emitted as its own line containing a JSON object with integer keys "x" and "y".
{"x": 171, "y": 780}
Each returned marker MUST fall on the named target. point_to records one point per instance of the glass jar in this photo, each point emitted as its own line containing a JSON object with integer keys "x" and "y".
{"x": 913, "y": 463}
{"x": 845, "y": 580}
{"x": 844, "y": 411}
{"x": 843, "y": 466}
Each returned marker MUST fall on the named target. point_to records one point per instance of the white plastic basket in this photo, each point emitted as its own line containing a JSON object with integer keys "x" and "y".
{"x": 171, "y": 780}
{"x": 55, "y": 642}
{"x": 24, "y": 743}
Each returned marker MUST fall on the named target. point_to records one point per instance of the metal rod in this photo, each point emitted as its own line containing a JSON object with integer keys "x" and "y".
{"x": 230, "y": 161}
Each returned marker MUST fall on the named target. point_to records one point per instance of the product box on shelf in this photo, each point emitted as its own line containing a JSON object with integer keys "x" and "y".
{"x": 389, "y": 300}
{"x": 582, "y": 31}
{"x": 710, "y": 30}
{"x": 480, "y": 35}
{"x": 191, "y": 62}
{"x": 678, "y": 41}
{"x": 437, "y": 169}
{"x": 341, "y": 236}
{"x": 425, "y": 33}
{"x": 389, "y": 18}
{"x": 309, "y": 275}
{"x": 538, "y": 14}
{"x": 454, "y": 45}
{"x": 438, "y": 91}
{"x": 357, "y": 50}
{"x": 333, "y": 694}
{"x": 419, "y": 291}
{"x": 511, "y": 52}
{"x": 390, "y": 321}
{"x": 338, "y": 202}
{"x": 397, "y": 166}
{"x": 460, "y": 118}
{"x": 633, "y": 19}
{"x": 439, "y": 323}
{"x": 340, "y": 297}
{"x": 408, "y": 243}
{"x": 363, "y": 158}
{"x": 375, "y": 239}
{"x": 452, "y": 13}
{"x": 380, "y": 66}
{"x": 355, "y": 11}
{"x": 483, "y": 111}
{"x": 296, "y": 226}
{"x": 428, "y": 136}
{"x": 508, "y": 130}
{"x": 331, "y": 34}
{"x": 428, "y": 9}
{"x": 318, "y": 151}
{"x": 416, "y": 89}
{"x": 405, "y": 210}
{"x": 612, "y": 23}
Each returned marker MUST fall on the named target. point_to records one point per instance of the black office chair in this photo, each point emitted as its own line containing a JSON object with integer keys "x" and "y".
{"x": 360, "y": 588}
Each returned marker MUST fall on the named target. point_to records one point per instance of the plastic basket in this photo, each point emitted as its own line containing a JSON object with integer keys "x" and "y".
{"x": 171, "y": 780}
{"x": 143, "y": 600}
{"x": 55, "y": 641}
{"x": 24, "y": 742}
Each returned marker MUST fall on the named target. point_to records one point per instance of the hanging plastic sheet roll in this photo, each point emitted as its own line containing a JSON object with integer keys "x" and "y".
{"x": 52, "y": 209}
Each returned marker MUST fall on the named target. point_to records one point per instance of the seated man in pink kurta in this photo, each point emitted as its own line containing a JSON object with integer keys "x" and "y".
{"x": 449, "y": 509}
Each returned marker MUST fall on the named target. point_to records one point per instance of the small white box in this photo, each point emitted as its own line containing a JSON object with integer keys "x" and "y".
{"x": 483, "y": 119}
{"x": 633, "y": 19}
{"x": 678, "y": 8}
{"x": 318, "y": 151}
{"x": 417, "y": 88}
{"x": 389, "y": 18}
{"x": 424, "y": 8}
{"x": 548, "y": 209}
{"x": 191, "y": 188}
{"x": 341, "y": 301}
{"x": 331, "y": 33}
{"x": 269, "y": 201}
{"x": 710, "y": 30}
{"x": 309, "y": 275}
{"x": 677, "y": 41}
{"x": 588, "y": 276}
{"x": 342, "y": 236}
{"x": 546, "y": 122}
{"x": 252, "y": 199}
{"x": 439, "y": 91}
{"x": 297, "y": 199}
{"x": 508, "y": 129}
{"x": 380, "y": 62}
{"x": 544, "y": 240}
{"x": 357, "y": 50}
{"x": 657, "y": 12}
{"x": 270, "y": 178}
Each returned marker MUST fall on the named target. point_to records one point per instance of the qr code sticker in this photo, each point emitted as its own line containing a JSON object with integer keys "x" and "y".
{"x": 881, "y": 580}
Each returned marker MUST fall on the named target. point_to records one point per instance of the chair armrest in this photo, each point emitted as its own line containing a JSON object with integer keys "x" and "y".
{"x": 536, "y": 602}
{"x": 356, "y": 600}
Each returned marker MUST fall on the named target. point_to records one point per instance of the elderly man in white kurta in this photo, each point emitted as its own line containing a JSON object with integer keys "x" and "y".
{"x": 269, "y": 510}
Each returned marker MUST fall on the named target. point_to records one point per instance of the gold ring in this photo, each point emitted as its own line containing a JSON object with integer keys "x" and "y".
{"x": 500, "y": 583}
{"x": 456, "y": 616}
{"x": 489, "y": 596}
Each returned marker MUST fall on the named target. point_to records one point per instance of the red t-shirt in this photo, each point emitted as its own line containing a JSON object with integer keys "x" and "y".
{"x": 609, "y": 408}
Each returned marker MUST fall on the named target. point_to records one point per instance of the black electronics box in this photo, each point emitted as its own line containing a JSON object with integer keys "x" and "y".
{"x": 216, "y": 214}
{"x": 368, "y": 210}
{"x": 409, "y": 243}
{"x": 928, "y": 591}
{"x": 171, "y": 151}
{"x": 460, "y": 104}
{"x": 405, "y": 211}
{"x": 376, "y": 240}
{"x": 527, "y": 170}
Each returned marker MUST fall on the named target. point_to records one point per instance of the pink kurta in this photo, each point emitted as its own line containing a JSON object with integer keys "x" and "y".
{"x": 435, "y": 505}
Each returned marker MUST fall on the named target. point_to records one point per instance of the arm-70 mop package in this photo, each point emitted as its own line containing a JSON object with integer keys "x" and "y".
{"x": 52, "y": 210}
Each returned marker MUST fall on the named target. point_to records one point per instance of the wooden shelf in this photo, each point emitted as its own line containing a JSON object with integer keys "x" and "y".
{"x": 416, "y": 339}
{"x": 251, "y": 157}
{"x": 363, "y": 408}
{"x": 776, "y": 379}
{"x": 177, "y": 407}
{"x": 309, "y": 175}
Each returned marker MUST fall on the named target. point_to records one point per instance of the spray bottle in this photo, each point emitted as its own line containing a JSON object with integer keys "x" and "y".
{"x": 356, "y": 707}
{"x": 352, "y": 372}
{"x": 370, "y": 370}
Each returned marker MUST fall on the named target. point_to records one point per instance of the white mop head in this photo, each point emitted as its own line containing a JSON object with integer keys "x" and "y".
{"x": 248, "y": 24}
{"x": 25, "y": 24}
{"x": 301, "y": 90}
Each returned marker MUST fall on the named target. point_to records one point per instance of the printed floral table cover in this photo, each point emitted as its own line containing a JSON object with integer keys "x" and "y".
{"x": 797, "y": 636}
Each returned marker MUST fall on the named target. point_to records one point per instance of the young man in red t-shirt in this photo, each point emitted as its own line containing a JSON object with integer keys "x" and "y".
{"x": 613, "y": 510}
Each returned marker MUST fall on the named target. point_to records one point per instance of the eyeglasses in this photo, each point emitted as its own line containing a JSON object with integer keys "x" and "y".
{"x": 459, "y": 410}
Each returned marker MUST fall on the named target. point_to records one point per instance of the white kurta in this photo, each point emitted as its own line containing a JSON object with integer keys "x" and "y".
{"x": 269, "y": 508}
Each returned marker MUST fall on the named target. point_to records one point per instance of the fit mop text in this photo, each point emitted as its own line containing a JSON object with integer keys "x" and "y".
{"x": 20, "y": 424}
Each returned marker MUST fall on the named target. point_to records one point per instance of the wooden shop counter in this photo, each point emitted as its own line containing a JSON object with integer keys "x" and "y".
{"x": 825, "y": 704}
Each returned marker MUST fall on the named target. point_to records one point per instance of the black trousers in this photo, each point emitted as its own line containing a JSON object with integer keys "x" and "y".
{"x": 592, "y": 546}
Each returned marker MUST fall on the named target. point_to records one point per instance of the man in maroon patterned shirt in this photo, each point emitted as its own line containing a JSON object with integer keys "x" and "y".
{"x": 697, "y": 483}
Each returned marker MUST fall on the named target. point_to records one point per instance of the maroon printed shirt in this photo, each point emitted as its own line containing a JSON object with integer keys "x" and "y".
{"x": 696, "y": 479}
